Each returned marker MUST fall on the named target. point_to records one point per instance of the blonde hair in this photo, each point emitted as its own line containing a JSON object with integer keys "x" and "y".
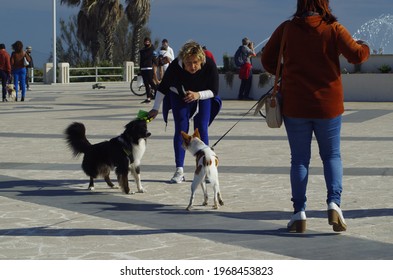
{"x": 192, "y": 48}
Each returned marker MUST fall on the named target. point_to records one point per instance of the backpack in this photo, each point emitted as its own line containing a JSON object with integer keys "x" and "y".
{"x": 239, "y": 57}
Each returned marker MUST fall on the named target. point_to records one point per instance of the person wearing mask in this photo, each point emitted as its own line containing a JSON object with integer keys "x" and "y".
{"x": 5, "y": 70}
{"x": 147, "y": 59}
{"x": 312, "y": 99}
{"x": 190, "y": 89}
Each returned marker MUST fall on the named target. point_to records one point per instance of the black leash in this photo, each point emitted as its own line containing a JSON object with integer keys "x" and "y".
{"x": 262, "y": 97}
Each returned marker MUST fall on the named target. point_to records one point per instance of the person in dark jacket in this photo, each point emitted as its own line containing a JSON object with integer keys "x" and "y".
{"x": 190, "y": 88}
{"x": 147, "y": 57}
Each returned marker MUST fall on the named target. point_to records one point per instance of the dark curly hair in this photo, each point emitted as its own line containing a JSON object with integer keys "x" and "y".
{"x": 17, "y": 46}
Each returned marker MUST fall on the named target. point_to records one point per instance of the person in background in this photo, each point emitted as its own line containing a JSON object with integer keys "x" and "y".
{"x": 30, "y": 67}
{"x": 312, "y": 99}
{"x": 190, "y": 88}
{"x": 245, "y": 72}
{"x": 5, "y": 70}
{"x": 165, "y": 56}
{"x": 165, "y": 45}
{"x": 19, "y": 68}
{"x": 147, "y": 58}
{"x": 209, "y": 54}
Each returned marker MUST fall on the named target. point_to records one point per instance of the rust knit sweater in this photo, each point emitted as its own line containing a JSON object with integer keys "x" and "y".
{"x": 311, "y": 78}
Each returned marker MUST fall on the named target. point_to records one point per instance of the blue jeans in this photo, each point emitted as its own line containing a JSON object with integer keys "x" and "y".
{"x": 327, "y": 134}
{"x": 181, "y": 115}
{"x": 20, "y": 77}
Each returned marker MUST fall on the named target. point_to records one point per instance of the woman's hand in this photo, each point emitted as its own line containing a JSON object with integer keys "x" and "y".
{"x": 191, "y": 96}
{"x": 152, "y": 114}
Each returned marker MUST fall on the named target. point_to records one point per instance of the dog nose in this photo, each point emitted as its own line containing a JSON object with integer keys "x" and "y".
{"x": 148, "y": 134}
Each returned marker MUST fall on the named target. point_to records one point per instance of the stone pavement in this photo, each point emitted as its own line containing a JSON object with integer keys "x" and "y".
{"x": 46, "y": 211}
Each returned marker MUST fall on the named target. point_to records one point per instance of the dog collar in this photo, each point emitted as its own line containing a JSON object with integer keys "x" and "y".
{"x": 126, "y": 150}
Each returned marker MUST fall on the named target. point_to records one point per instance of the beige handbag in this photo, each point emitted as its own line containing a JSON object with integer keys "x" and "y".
{"x": 271, "y": 102}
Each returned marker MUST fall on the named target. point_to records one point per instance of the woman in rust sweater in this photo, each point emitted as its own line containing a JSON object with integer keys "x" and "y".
{"x": 312, "y": 98}
{"x": 18, "y": 68}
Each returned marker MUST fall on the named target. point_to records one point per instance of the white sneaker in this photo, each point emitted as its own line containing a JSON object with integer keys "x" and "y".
{"x": 178, "y": 177}
{"x": 297, "y": 222}
{"x": 336, "y": 218}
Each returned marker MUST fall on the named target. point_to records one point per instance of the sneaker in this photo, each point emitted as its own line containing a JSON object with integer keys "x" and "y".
{"x": 178, "y": 177}
{"x": 297, "y": 222}
{"x": 336, "y": 218}
{"x": 146, "y": 101}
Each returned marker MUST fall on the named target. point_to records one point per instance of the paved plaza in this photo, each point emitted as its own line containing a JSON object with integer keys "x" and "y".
{"x": 47, "y": 213}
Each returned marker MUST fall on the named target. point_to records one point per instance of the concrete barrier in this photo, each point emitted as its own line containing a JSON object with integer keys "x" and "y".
{"x": 357, "y": 87}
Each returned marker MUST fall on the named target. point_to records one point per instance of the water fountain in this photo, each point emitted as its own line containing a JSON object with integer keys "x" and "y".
{"x": 378, "y": 33}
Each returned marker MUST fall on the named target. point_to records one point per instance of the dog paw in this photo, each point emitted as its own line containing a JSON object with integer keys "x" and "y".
{"x": 204, "y": 204}
{"x": 189, "y": 208}
{"x": 141, "y": 191}
{"x": 114, "y": 187}
{"x": 90, "y": 188}
{"x": 215, "y": 207}
{"x": 221, "y": 202}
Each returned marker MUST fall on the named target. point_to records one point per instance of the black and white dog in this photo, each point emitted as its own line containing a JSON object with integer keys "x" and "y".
{"x": 122, "y": 153}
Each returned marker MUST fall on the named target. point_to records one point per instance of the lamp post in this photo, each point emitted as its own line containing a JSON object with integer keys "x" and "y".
{"x": 54, "y": 41}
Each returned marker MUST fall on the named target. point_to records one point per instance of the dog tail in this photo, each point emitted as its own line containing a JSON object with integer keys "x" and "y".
{"x": 75, "y": 135}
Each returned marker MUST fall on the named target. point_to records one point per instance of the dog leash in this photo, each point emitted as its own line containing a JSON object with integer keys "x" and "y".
{"x": 260, "y": 99}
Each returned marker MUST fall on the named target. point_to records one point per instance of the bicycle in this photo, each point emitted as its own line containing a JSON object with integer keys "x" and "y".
{"x": 138, "y": 90}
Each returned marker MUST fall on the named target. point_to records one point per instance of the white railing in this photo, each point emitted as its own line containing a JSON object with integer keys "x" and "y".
{"x": 126, "y": 73}
{"x": 96, "y": 70}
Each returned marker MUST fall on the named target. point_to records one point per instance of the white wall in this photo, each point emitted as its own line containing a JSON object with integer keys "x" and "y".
{"x": 357, "y": 87}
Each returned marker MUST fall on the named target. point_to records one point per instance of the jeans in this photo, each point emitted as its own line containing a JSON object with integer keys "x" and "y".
{"x": 20, "y": 77}
{"x": 327, "y": 134}
{"x": 181, "y": 115}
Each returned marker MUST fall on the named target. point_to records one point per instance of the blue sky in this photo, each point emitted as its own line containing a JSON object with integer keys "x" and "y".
{"x": 218, "y": 24}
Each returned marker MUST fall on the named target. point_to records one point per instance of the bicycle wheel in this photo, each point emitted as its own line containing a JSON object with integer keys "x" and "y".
{"x": 135, "y": 89}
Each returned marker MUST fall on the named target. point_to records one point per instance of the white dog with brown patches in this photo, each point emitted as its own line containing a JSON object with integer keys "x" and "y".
{"x": 11, "y": 93}
{"x": 206, "y": 167}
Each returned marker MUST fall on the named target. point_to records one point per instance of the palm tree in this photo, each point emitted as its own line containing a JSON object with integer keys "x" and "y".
{"x": 94, "y": 18}
{"x": 108, "y": 15}
{"x": 138, "y": 13}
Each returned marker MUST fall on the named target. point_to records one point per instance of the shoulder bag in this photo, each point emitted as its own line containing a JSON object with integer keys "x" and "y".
{"x": 272, "y": 102}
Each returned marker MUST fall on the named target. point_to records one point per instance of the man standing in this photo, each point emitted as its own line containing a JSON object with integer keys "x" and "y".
{"x": 169, "y": 50}
{"x": 245, "y": 72}
{"x": 29, "y": 68}
{"x": 147, "y": 56}
{"x": 5, "y": 69}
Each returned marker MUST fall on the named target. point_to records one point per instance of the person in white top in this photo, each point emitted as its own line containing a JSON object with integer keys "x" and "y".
{"x": 165, "y": 56}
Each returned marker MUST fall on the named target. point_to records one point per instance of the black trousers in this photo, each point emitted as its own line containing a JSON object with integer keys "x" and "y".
{"x": 147, "y": 76}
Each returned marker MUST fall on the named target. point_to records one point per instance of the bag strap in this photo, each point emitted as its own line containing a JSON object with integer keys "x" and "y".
{"x": 262, "y": 100}
{"x": 278, "y": 69}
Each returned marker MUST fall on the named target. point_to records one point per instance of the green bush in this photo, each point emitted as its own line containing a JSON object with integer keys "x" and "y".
{"x": 385, "y": 68}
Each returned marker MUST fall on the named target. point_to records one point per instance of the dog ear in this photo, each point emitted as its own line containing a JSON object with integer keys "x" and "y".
{"x": 186, "y": 137}
{"x": 196, "y": 133}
